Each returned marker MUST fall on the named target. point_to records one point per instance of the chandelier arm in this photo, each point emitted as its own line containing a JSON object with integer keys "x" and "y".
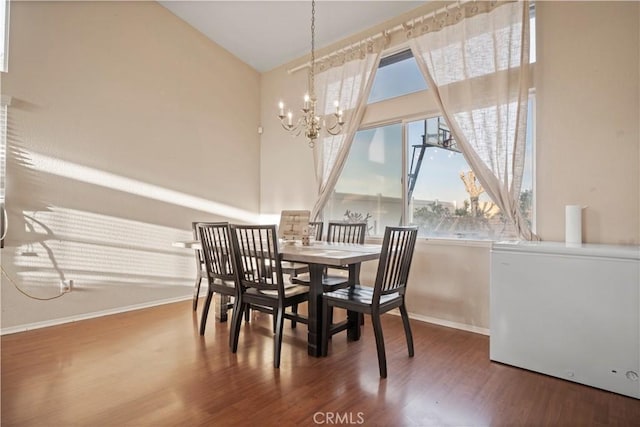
{"x": 286, "y": 127}
{"x": 297, "y": 127}
{"x": 334, "y": 130}
{"x": 338, "y": 122}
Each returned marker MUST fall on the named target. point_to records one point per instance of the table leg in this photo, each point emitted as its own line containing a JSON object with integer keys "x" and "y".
{"x": 221, "y": 302}
{"x": 354, "y": 319}
{"x": 315, "y": 309}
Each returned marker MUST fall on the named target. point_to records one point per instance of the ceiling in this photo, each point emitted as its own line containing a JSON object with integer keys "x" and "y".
{"x": 266, "y": 34}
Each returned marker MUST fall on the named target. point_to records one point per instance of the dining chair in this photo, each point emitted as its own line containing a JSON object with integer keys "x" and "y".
{"x": 388, "y": 291}
{"x": 201, "y": 273}
{"x": 347, "y": 232}
{"x": 260, "y": 282}
{"x": 216, "y": 251}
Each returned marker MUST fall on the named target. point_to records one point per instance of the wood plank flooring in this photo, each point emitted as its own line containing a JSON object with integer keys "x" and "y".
{"x": 151, "y": 368}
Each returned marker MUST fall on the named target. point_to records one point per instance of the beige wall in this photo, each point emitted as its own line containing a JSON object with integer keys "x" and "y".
{"x": 448, "y": 283}
{"x": 587, "y": 118}
{"x": 287, "y": 178}
{"x": 587, "y": 143}
{"x": 126, "y": 124}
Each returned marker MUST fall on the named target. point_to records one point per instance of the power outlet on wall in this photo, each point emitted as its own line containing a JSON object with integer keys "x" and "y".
{"x": 66, "y": 286}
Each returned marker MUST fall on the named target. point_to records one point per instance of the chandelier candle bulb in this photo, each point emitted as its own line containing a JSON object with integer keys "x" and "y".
{"x": 281, "y": 107}
{"x": 290, "y": 118}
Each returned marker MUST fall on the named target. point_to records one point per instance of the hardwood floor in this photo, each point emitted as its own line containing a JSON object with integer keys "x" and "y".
{"x": 151, "y": 368}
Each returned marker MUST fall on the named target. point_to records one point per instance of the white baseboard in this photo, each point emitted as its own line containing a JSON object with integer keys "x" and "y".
{"x": 38, "y": 325}
{"x": 54, "y": 322}
{"x": 447, "y": 323}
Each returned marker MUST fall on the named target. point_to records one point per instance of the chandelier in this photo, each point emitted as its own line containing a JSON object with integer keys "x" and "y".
{"x": 309, "y": 122}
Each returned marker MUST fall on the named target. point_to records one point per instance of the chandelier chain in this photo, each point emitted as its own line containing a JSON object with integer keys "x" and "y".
{"x": 313, "y": 50}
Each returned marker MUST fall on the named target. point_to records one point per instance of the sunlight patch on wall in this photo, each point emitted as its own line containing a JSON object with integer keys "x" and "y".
{"x": 270, "y": 218}
{"x": 112, "y": 181}
{"x": 76, "y": 225}
{"x": 95, "y": 250}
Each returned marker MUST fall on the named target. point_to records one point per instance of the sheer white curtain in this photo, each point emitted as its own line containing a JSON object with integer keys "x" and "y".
{"x": 350, "y": 84}
{"x": 476, "y": 64}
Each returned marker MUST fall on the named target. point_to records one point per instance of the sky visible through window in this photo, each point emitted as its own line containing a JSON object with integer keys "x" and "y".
{"x": 439, "y": 174}
{"x": 396, "y": 79}
{"x": 374, "y": 165}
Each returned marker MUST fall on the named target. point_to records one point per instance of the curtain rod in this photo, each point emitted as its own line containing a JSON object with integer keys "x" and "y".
{"x": 385, "y": 33}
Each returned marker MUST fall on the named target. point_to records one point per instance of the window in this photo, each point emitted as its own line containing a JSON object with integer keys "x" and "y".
{"x": 4, "y": 34}
{"x": 397, "y": 75}
{"x": 370, "y": 186}
{"x": 437, "y": 199}
{"x": 444, "y": 197}
{"x": 411, "y": 171}
{"x": 532, "y": 32}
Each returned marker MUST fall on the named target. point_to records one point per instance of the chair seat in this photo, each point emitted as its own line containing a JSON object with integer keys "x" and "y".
{"x": 358, "y": 294}
{"x": 290, "y": 290}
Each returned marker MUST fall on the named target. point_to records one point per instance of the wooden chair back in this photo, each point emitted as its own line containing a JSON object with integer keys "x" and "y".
{"x": 257, "y": 259}
{"x": 395, "y": 261}
{"x": 346, "y": 232}
{"x": 215, "y": 239}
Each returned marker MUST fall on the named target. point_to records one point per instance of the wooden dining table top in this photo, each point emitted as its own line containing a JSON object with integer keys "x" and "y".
{"x": 328, "y": 253}
{"x": 318, "y": 252}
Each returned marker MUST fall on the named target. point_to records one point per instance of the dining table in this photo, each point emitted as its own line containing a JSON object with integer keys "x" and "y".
{"x": 319, "y": 255}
